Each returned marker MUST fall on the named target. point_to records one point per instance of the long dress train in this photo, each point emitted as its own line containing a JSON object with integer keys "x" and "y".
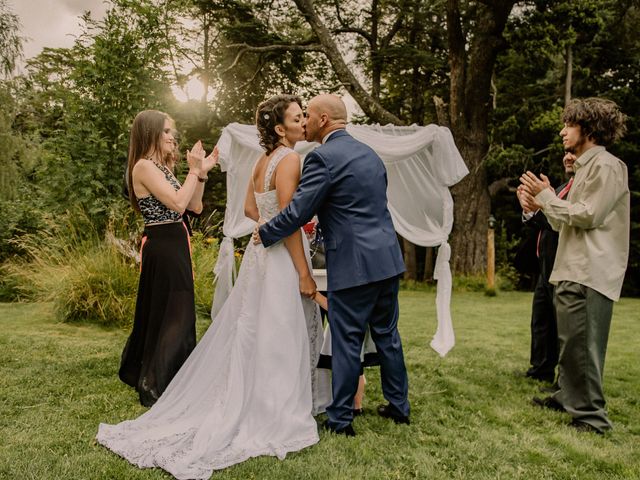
{"x": 246, "y": 389}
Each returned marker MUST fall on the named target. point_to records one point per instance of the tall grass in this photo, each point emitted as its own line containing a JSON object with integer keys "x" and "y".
{"x": 91, "y": 277}
{"x": 204, "y": 253}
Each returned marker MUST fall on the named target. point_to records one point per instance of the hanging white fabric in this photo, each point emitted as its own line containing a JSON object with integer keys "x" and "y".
{"x": 422, "y": 163}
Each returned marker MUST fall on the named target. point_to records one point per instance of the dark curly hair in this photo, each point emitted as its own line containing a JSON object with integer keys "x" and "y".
{"x": 269, "y": 114}
{"x": 598, "y": 118}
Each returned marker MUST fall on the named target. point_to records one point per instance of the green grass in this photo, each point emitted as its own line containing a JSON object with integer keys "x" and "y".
{"x": 471, "y": 417}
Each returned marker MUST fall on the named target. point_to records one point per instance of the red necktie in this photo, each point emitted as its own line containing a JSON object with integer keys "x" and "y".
{"x": 563, "y": 193}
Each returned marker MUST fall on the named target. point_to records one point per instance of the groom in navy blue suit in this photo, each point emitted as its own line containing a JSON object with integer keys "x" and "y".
{"x": 344, "y": 182}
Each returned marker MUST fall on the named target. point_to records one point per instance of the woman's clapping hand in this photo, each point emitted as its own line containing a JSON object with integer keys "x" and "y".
{"x": 211, "y": 160}
{"x": 195, "y": 158}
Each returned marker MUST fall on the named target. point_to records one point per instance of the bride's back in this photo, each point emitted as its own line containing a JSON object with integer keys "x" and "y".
{"x": 264, "y": 182}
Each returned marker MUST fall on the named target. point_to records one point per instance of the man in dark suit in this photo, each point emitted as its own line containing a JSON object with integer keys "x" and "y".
{"x": 544, "y": 328}
{"x": 344, "y": 182}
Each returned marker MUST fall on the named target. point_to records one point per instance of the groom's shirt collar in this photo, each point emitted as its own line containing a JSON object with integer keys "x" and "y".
{"x": 326, "y": 137}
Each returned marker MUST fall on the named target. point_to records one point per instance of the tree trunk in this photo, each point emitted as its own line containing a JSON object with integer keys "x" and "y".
{"x": 569, "y": 78}
{"x": 469, "y": 106}
{"x": 370, "y": 106}
{"x": 429, "y": 263}
{"x": 204, "y": 77}
{"x": 472, "y": 206}
{"x": 410, "y": 262}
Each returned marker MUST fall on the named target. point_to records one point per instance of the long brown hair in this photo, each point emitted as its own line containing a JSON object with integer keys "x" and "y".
{"x": 145, "y": 139}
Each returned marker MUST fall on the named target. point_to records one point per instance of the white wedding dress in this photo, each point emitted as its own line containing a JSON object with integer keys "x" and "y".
{"x": 246, "y": 390}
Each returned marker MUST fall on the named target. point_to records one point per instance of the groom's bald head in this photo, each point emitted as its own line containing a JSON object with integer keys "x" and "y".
{"x": 332, "y": 105}
{"x": 325, "y": 113}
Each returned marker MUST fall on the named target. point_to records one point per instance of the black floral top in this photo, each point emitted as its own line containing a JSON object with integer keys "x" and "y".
{"x": 152, "y": 209}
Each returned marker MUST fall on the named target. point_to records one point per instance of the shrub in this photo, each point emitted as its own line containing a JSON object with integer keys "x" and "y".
{"x": 98, "y": 285}
{"x": 94, "y": 279}
{"x": 507, "y": 278}
{"x": 85, "y": 277}
{"x": 204, "y": 252}
{"x": 469, "y": 283}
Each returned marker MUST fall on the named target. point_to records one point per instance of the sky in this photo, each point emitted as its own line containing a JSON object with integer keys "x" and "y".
{"x": 51, "y": 23}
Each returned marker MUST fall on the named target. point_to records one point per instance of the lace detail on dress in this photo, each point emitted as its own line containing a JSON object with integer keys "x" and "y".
{"x": 316, "y": 337}
{"x": 152, "y": 209}
{"x": 267, "y": 200}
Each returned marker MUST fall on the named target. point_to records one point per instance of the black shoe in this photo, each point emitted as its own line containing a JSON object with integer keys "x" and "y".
{"x": 148, "y": 398}
{"x": 347, "y": 431}
{"x": 547, "y": 402}
{"x": 387, "y": 411}
{"x": 584, "y": 427}
{"x": 552, "y": 389}
{"x": 539, "y": 378}
{"x": 358, "y": 411}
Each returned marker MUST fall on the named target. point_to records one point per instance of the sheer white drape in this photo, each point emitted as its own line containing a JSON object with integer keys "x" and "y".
{"x": 422, "y": 163}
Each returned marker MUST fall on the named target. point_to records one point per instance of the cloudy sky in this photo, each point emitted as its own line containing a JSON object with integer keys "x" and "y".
{"x": 51, "y": 23}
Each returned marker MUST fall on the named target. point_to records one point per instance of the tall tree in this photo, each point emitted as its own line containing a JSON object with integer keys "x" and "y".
{"x": 81, "y": 101}
{"x": 474, "y": 40}
{"x": 10, "y": 39}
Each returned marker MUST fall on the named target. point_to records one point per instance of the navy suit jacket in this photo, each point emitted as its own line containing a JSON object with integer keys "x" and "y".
{"x": 344, "y": 182}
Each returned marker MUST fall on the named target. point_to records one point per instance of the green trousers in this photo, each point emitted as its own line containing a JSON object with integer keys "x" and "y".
{"x": 584, "y": 318}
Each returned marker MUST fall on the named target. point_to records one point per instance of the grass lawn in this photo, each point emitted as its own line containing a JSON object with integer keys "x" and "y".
{"x": 471, "y": 417}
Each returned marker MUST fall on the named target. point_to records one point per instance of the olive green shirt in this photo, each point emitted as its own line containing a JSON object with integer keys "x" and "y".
{"x": 594, "y": 222}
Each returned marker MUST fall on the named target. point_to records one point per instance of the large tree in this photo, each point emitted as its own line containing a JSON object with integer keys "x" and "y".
{"x": 10, "y": 40}
{"x": 472, "y": 56}
{"x": 80, "y": 102}
{"x": 474, "y": 39}
{"x": 473, "y": 33}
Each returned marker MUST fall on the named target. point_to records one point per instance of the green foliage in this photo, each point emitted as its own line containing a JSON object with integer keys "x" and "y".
{"x": 80, "y": 102}
{"x": 10, "y": 39}
{"x": 204, "y": 256}
{"x": 21, "y": 216}
{"x": 89, "y": 278}
{"x": 246, "y": 77}
{"x": 21, "y": 205}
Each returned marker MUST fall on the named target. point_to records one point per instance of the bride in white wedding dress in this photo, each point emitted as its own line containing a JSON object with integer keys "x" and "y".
{"x": 246, "y": 390}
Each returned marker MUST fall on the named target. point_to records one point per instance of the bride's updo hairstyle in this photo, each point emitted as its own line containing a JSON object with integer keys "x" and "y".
{"x": 271, "y": 113}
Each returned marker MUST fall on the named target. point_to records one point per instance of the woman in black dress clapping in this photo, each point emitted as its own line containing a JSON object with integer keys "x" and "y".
{"x": 163, "y": 332}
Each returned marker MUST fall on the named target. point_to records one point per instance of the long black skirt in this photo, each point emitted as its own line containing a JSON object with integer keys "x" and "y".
{"x": 164, "y": 332}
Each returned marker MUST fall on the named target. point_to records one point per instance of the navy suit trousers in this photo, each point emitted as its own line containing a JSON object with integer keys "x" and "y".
{"x": 350, "y": 310}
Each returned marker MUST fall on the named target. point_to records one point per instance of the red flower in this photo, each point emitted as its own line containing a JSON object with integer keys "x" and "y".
{"x": 309, "y": 228}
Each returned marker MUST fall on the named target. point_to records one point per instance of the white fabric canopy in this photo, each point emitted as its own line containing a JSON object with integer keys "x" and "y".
{"x": 422, "y": 163}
